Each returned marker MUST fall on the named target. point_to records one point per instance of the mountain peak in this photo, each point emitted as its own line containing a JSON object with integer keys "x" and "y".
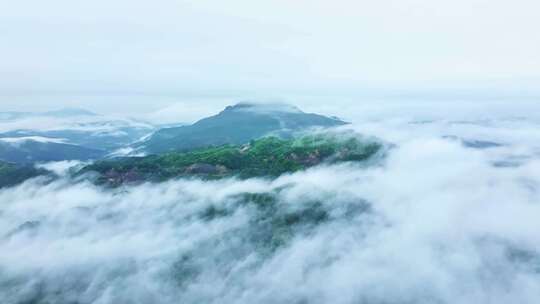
{"x": 263, "y": 108}
{"x": 237, "y": 124}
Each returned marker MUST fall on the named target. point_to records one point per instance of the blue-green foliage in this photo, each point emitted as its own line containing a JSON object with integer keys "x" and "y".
{"x": 270, "y": 156}
{"x": 236, "y": 124}
{"x": 13, "y": 174}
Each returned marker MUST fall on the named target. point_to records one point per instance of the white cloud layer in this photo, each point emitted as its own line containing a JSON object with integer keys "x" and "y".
{"x": 436, "y": 222}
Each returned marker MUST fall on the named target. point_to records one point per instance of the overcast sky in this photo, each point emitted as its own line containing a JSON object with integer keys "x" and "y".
{"x": 131, "y": 55}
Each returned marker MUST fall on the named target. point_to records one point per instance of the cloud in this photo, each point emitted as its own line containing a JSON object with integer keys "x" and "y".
{"x": 434, "y": 222}
{"x": 61, "y": 168}
{"x": 96, "y": 124}
{"x": 20, "y": 140}
{"x": 97, "y": 55}
{"x": 187, "y": 111}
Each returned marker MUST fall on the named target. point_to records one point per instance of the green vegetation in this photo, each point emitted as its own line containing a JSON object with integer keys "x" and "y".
{"x": 274, "y": 224}
{"x": 235, "y": 125}
{"x": 32, "y": 151}
{"x": 268, "y": 156}
{"x": 12, "y": 174}
{"x": 272, "y": 227}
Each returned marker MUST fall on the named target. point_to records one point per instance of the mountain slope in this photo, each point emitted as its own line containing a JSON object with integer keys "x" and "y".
{"x": 269, "y": 157}
{"x": 13, "y": 174}
{"x": 64, "y": 129}
{"x": 104, "y": 135}
{"x": 236, "y": 124}
{"x": 41, "y": 149}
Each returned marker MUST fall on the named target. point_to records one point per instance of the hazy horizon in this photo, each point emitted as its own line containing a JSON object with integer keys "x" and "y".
{"x": 410, "y": 175}
{"x": 104, "y": 56}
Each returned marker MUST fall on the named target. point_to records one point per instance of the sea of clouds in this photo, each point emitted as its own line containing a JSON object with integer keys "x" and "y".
{"x": 436, "y": 221}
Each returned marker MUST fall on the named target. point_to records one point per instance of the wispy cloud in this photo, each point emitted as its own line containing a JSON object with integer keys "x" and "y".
{"x": 435, "y": 222}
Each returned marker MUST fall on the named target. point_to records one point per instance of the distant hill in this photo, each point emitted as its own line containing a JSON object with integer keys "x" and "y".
{"x": 66, "y": 134}
{"x": 99, "y": 135}
{"x": 236, "y": 124}
{"x": 83, "y": 135}
{"x": 42, "y": 149}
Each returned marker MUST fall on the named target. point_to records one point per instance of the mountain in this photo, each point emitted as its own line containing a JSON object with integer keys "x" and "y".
{"x": 106, "y": 135}
{"x": 13, "y": 174}
{"x": 77, "y": 134}
{"x": 236, "y": 124}
{"x": 43, "y": 149}
{"x": 474, "y": 143}
{"x": 66, "y": 134}
{"x": 265, "y": 157}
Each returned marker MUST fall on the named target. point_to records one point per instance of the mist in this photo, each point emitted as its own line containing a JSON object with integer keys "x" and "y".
{"x": 133, "y": 171}
{"x": 438, "y": 220}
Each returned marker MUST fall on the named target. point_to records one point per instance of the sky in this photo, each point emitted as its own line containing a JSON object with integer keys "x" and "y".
{"x": 422, "y": 76}
{"x": 139, "y": 56}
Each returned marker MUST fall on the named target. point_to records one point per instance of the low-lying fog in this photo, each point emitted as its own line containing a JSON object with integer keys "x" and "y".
{"x": 452, "y": 215}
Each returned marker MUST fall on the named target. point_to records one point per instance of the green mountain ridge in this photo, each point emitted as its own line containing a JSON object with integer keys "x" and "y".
{"x": 13, "y": 174}
{"x": 28, "y": 150}
{"x": 244, "y": 140}
{"x": 266, "y": 157}
{"x": 236, "y": 125}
